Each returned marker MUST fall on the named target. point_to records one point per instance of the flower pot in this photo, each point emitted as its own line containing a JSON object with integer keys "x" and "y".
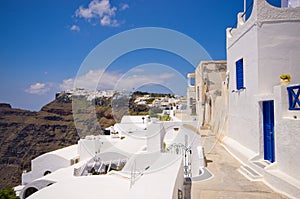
{"x": 284, "y": 81}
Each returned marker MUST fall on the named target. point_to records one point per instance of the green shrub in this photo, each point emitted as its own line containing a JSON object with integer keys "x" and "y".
{"x": 165, "y": 145}
{"x": 8, "y": 194}
{"x": 164, "y": 118}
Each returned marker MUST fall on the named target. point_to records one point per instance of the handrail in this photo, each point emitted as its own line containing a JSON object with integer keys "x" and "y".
{"x": 186, "y": 153}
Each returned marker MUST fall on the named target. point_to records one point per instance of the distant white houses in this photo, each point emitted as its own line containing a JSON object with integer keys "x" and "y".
{"x": 88, "y": 94}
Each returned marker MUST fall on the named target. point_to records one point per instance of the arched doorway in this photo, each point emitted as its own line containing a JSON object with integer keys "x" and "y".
{"x": 29, "y": 191}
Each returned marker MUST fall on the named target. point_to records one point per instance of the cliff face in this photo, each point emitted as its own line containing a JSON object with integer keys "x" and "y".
{"x": 24, "y": 135}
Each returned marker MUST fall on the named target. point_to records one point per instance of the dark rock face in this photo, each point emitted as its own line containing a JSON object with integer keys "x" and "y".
{"x": 25, "y": 135}
{"x": 4, "y": 105}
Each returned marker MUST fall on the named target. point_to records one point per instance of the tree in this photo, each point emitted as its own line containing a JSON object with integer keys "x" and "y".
{"x": 8, "y": 194}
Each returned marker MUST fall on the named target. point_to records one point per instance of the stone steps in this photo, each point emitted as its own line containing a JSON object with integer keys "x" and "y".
{"x": 250, "y": 174}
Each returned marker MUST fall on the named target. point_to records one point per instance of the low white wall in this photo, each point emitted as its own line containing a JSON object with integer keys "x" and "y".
{"x": 243, "y": 110}
{"x": 39, "y": 184}
{"x": 286, "y": 135}
{"x": 155, "y": 134}
{"x": 178, "y": 183}
{"x": 46, "y": 162}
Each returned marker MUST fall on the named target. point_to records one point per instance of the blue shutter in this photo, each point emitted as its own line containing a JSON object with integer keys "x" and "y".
{"x": 239, "y": 74}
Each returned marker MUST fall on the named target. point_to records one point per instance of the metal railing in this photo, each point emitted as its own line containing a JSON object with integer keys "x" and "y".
{"x": 186, "y": 153}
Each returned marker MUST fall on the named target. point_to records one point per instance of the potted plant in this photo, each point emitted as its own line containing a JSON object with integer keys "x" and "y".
{"x": 285, "y": 79}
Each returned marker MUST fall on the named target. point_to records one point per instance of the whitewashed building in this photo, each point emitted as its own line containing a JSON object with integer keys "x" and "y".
{"x": 191, "y": 94}
{"x": 263, "y": 126}
{"x": 141, "y": 158}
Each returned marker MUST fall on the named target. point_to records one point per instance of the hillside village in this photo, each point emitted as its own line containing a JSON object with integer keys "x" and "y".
{"x": 139, "y": 103}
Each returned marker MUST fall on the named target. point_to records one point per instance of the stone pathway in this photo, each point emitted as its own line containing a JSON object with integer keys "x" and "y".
{"x": 227, "y": 182}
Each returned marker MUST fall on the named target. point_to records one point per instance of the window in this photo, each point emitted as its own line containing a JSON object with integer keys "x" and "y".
{"x": 198, "y": 93}
{"x": 239, "y": 74}
{"x": 180, "y": 194}
{"x": 294, "y": 97}
{"x": 74, "y": 160}
{"x": 29, "y": 192}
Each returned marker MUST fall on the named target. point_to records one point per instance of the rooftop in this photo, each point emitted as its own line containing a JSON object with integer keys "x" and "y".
{"x": 67, "y": 152}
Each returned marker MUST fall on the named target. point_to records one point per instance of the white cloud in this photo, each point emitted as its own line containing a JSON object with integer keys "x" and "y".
{"x": 138, "y": 70}
{"x": 115, "y": 80}
{"x": 67, "y": 84}
{"x": 137, "y": 80}
{"x": 124, "y": 6}
{"x": 100, "y": 10}
{"x": 90, "y": 80}
{"x": 107, "y": 21}
{"x": 38, "y": 88}
{"x": 84, "y": 13}
{"x": 75, "y": 28}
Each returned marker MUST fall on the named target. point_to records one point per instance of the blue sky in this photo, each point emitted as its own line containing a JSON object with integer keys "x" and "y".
{"x": 44, "y": 42}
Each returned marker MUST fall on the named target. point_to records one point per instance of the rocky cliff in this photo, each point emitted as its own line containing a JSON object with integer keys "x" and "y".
{"x": 24, "y": 135}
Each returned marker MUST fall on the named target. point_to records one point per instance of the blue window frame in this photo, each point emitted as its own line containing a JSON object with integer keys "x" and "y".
{"x": 294, "y": 97}
{"x": 239, "y": 74}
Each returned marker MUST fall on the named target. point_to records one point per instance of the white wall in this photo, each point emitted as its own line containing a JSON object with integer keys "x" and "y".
{"x": 155, "y": 134}
{"x": 286, "y": 135}
{"x": 214, "y": 73}
{"x": 269, "y": 44}
{"x": 199, "y": 92}
{"x": 293, "y": 3}
{"x": 179, "y": 183}
{"x": 46, "y": 162}
{"x": 279, "y": 50}
{"x": 243, "y": 121}
{"x": 191, "y": 95}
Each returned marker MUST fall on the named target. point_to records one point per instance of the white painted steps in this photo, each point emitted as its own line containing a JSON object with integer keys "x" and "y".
{"x": 250, "y": 174}
{"x": 261, "y": 163}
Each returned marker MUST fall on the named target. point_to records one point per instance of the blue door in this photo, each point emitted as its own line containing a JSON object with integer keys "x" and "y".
{"x": 268, "y": 127}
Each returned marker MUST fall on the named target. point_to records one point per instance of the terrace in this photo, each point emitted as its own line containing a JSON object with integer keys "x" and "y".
{"x": 101, "y": 164}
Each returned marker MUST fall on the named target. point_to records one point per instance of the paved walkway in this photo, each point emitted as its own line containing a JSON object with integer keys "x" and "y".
{"x": 227, "y": 182}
